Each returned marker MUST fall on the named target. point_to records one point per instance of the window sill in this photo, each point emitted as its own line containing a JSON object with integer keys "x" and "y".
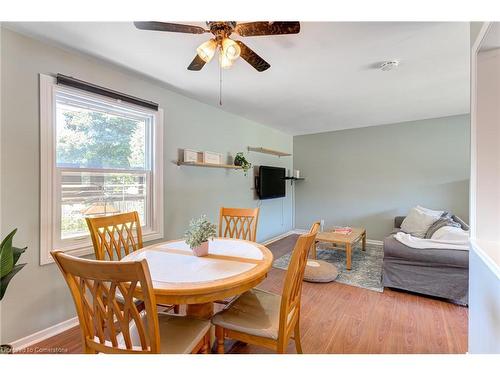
{"x": 89, "y": 249}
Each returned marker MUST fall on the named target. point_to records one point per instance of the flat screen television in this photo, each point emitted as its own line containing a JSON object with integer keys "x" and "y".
{"x": 270, "y": 182}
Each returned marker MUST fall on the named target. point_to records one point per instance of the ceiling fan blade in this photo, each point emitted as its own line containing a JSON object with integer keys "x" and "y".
{"x": 197, "y": 63}
{"x": 267, "y": 28}
{"x": 172, "y": 27}
{"x": 252, "y": 58}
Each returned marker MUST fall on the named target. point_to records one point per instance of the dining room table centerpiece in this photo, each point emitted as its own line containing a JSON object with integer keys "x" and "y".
{"x": 199, "y": 232}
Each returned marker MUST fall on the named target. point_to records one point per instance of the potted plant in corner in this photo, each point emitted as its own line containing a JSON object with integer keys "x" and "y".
{"x": 241, "y": 161}
{"x": 9, "y": 256}
{"x": 199, "y": 232}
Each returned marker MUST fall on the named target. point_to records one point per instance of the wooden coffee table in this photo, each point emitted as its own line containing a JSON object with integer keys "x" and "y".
{"x": 347, "y": 241}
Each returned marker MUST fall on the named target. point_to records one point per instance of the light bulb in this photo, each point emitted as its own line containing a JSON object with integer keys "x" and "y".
{"x": 224, "y": 62}
{"x": 207, "y": 50}
{"x": 230, "y": 49}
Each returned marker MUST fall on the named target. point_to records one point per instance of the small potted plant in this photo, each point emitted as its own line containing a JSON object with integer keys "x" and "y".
{"x": 199, "y": 232}
{"x": 9, "y": 256}
{"x": 239, "y": 160}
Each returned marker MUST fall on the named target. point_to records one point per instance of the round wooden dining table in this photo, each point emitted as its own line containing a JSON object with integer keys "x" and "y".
{"x": 179, "y": 277}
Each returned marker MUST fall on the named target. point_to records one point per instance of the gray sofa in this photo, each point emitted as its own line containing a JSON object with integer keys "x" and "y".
{"x": 435, "y": 272}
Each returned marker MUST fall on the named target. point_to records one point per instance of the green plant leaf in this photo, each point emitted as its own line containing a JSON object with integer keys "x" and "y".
{"x": 6, "y": 254}
{"x": 4, "y": 281}
{"x": 16, "y": 252}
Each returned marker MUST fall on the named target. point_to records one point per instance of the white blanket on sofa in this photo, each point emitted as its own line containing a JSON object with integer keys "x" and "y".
{"x": 445, "y": 238}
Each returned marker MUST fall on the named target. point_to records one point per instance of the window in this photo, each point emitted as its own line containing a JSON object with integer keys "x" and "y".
{"x": 99, "y": 156}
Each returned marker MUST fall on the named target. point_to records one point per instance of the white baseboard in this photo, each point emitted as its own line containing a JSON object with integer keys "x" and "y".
{"x": 44, "y": 334}
{"x": 300, "y": 231}
{"x": 279, "y": 237}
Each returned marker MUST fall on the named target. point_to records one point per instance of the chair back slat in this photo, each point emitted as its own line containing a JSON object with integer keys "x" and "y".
{"x": 315, "y": 227}
{"x": 108, "y": 324}
{"x": 292, "y": 289}
{"x": 113, "y": 236}
{"x": 238, "y": 223}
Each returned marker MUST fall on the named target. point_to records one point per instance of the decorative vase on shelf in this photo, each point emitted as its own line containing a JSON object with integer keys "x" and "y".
{"x": 202, "y": 250}
{"x": 241, "y": 161}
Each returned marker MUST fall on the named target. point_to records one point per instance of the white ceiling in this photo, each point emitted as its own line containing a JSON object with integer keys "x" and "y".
{"x": 492, "y": 38}
{"x": 323, "y": 79}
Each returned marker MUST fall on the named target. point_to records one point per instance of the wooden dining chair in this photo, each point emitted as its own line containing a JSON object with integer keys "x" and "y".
{"x": 109, "y": 326}
{"x": 116, "y": 236}
{"x": 266, "y": 319}
{"x": 238, "y": 223}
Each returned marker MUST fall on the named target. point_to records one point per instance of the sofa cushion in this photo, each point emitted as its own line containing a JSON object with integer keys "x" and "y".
{"x": 433, "y": 257}
{"x": 451, "y": 235}
{"x": 256, "y": 312}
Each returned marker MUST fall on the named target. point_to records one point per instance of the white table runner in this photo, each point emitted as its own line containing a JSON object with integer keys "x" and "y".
{"x": 226, "y": 247}
{"x": 177, "y": 268}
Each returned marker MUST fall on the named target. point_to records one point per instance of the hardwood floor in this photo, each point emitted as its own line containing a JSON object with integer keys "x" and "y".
{"x": 338, "y": 318}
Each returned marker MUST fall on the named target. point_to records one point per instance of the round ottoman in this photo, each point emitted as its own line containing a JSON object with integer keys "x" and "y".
{"x": 319, "y": 271}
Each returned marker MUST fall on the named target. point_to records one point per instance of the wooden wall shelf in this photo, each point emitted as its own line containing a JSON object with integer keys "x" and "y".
{"x": 208, "y": 165}
{"x": 294, "y": 179}
{"x": 268, "y": 151}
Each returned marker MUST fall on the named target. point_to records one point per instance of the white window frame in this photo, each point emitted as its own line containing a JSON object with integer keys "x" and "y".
{"x": 49, "y": 191}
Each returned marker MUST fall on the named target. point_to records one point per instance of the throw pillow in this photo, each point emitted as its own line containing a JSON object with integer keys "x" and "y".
{"x": 428, "y": 211}
{"x": 418, "y": 221}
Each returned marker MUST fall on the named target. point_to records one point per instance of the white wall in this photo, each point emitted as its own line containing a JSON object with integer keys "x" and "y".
{"x": 367, "y": 176}
{"x": 488, "y": 150}
{"x": 38, "y": 296}
{"x": 484, "y": 264}
{"x": 484, "y": 303}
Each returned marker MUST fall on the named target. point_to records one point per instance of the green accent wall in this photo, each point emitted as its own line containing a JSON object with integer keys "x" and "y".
{"x": 367, "y": 176}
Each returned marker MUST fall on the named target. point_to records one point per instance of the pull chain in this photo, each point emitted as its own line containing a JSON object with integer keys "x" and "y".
{"x": 220, "y": 84}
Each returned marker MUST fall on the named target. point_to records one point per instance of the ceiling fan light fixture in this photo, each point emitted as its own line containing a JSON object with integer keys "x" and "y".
{"x": 230, "y": 49}
{"x": 206, "y": 50}
{"x": 222, "y": 30}
{"x": 224, "y": 61}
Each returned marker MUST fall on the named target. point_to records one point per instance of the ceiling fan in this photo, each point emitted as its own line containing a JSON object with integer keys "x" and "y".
{"x": 229, "y": 49}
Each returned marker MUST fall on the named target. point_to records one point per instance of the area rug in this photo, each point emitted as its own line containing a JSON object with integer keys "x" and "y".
{"x": 366, "y": 266}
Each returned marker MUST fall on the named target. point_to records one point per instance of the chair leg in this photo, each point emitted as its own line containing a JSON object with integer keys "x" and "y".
{"x": 219, "y": 334}
{"x": 206, "y": 343}
{"x": 296, "y": 338}
{"x": 176, "y": 309}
